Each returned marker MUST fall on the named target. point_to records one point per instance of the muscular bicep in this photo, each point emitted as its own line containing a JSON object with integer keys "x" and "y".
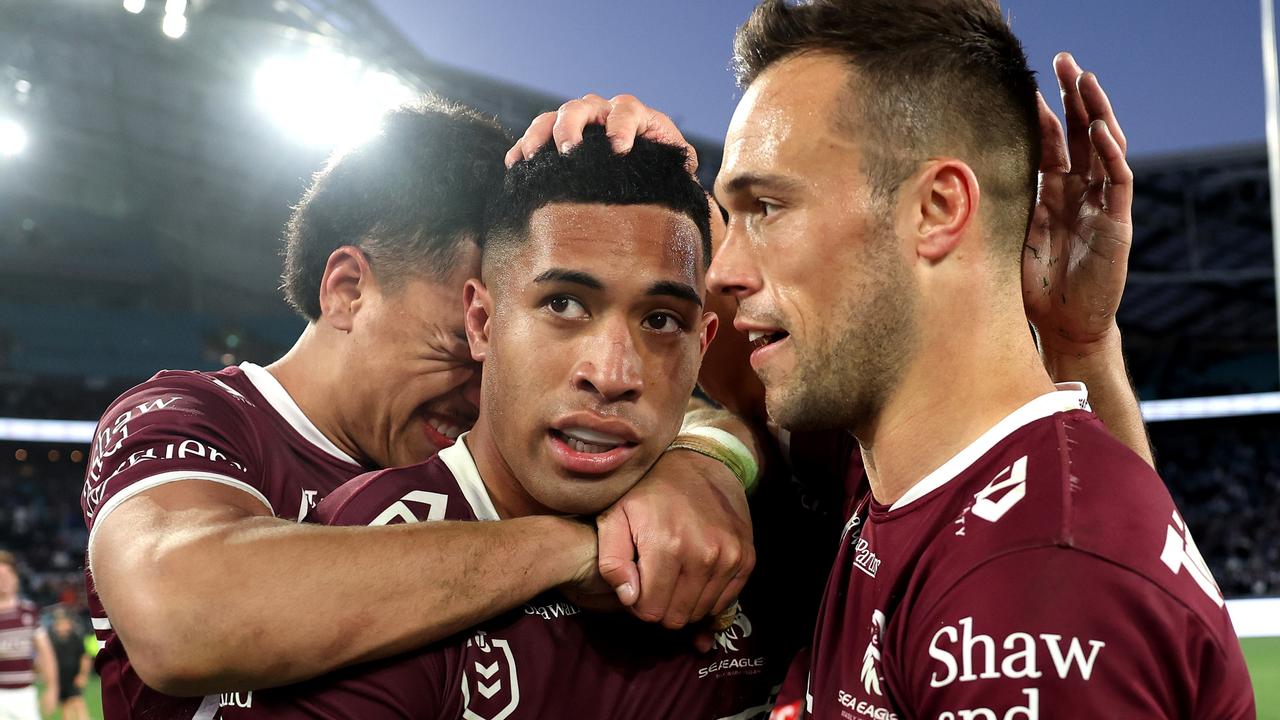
{"x": 1052, "y": 628}
{"x": 135, "y": 545}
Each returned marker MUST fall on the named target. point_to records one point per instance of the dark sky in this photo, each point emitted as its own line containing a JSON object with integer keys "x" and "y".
{"x": 1183, "y": 74}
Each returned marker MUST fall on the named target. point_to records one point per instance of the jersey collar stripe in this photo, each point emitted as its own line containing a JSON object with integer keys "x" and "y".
{"x": 1068, "y": 396}
{"x": 101, "y": 623}
{"x": 164, "y": 479}
{"x": 459, "y": 461}
{"x": 283, "y": 404}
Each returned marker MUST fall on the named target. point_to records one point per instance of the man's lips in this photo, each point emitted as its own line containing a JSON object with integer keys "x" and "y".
{"x": 585, "y": 443}
{"x": 765, "y": 343}
{"x": 581, "y": 458}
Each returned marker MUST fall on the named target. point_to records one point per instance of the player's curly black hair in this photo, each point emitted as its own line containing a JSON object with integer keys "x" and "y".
{"x": 406, "y": 198}
{"x": 651, "y": 173}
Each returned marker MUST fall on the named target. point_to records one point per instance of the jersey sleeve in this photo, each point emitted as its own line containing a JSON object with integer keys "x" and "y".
{"x": 165, "y": 430}
{"x": 1034, "y": 631}
{"x": 385, "y": 497}
{"x": 404, "y": 687}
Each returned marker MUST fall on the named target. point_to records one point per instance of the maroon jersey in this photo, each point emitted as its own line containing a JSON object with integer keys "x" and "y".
{"x": 546, "y": 659}
{"x": 1042, "y": 572}
{"x": 18, "y": 628}
{"x": 237, "y": 427}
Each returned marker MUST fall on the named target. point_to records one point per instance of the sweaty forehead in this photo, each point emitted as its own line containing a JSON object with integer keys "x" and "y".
{"x": 614, "y": 241}
{"x": 788, "y": 120}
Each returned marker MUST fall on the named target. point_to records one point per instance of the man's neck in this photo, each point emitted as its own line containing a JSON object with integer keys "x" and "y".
{"x": 8, "y": 602}
{"x": 506, "y": 491}
{"x": 927, "y": 421}
{"x": 307, "y": 373}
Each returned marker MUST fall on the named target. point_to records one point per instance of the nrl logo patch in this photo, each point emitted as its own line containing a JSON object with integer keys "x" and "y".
{"x": 490, "y": 669}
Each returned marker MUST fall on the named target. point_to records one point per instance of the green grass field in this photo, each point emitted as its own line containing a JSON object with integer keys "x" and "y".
{"x": 1262, "y": 655}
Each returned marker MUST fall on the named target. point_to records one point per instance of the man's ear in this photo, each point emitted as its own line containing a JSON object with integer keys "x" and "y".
{"x": 939, "y": 206}
{"x": 710, "y": 323}
{"x": 345, "y": 285}
{"x": 478, "y": 305}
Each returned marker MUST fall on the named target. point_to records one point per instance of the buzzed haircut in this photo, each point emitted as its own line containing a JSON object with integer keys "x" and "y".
{"x": 932, "y": 78}
{"x": 651, "y": 173}
{"x": 407, "y": 198}
{"x": 8, "y": 558}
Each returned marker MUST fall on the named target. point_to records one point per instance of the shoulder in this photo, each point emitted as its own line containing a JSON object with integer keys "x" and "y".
{"x": 1060, "y": 623}
{"x": 1065, "y": 482}
{"x": 1061, "y": 481}
{"x": 423, "y": 492}
{"x": 179, "y": 392}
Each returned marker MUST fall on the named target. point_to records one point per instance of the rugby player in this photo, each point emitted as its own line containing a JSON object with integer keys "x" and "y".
{"x": 1008, "y": 559}
{"x": 590, "y": 325}
{"x": 1011, "y": 559}
{"x": 201, "y": 576}
{"x": 25, "y": 652}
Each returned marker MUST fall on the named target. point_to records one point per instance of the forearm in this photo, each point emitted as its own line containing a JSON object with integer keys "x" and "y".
{"x": 1111, "y": 392}
{"x": 258, "y": 602}
{"x": 46, "y": 667}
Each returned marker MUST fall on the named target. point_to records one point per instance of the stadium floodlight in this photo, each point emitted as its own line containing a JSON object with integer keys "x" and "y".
{"x": 13, "y": 138}
{"x": 326, "y": 99}
{"x": 174, "y": 25}
{"x": 135, "y": 6}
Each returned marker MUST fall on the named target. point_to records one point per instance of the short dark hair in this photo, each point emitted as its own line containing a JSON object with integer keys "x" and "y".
{"x": 406, "y": 198}
{"x": 8, "y": 558}
{"x": 651, "y": 173}
{"x": 935, "y": 77}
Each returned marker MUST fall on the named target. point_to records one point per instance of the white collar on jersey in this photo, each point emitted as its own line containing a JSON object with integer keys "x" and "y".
{"x": 282, "y": 403}
{"x": 463, "y": 466}
{"x": 1068, "y": 396}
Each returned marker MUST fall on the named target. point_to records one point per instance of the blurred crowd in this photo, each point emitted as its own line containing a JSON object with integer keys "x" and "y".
{"x": 1225, "y": 477}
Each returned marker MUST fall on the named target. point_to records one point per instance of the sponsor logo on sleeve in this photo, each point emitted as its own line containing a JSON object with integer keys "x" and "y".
{"x": 308, "y": 503}
{"x": 490, "y": 668}
{"x": 961, "y": 655}
{"x": 1180, "y": 552}
{"x": 110, "y": 441}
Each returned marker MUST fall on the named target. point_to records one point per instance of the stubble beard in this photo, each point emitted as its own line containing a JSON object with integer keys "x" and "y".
{"x": 844, "y": 379}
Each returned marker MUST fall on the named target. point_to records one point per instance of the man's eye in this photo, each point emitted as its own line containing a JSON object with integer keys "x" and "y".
{"x": 767, "y": 206}
{"x": 566, "y": 307}
{"x": 664, "y": 323}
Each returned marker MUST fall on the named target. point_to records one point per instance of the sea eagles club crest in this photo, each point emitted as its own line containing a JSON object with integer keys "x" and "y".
{"x": 490, "y": 688}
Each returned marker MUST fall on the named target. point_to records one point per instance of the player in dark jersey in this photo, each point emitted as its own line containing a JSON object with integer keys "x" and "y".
{"x": 200, "y": 576}
{"x": 1011, "y": 559}
{"x": 25, "y": 652}
{"x": 590, "y": 324}
{"x": 74, "y": 663}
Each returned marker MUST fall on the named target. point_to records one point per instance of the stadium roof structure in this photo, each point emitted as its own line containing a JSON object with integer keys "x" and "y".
{"x": 154, "y": 179}
{"x": 152, "y": 174}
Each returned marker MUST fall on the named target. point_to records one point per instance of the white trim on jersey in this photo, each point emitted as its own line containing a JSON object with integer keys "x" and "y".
{"x": 101, "y": 623}
{"x": 165, "y": 478}
{"x": 283, "y": 403}
{"x": 1068, "y": 396}
{"x": 458, "y": 459}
